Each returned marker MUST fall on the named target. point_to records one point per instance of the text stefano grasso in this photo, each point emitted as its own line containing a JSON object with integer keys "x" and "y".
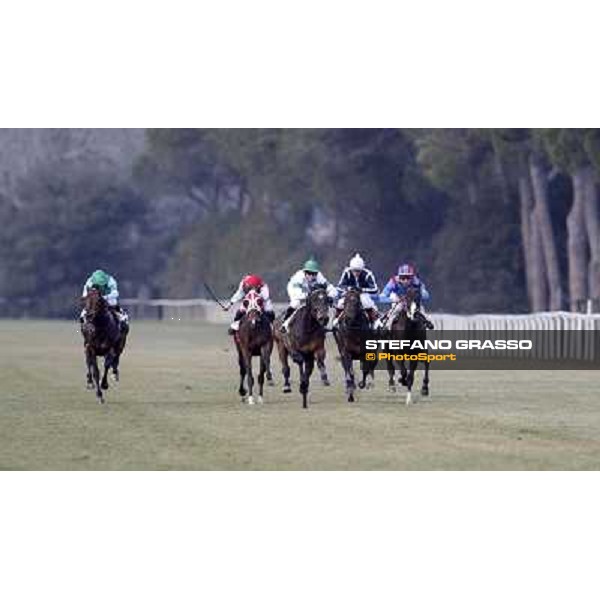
{"x": 441, "y": 344}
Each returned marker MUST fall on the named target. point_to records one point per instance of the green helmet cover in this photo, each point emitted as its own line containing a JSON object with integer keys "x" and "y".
{"x": 312, "y": 266}
{"x": 99, "y": 278}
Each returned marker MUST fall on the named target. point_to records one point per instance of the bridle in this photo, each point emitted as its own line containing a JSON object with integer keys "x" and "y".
{"x": 319, "y": 294}
{"x": 98, "y": 306}
{"x": 253, "y": 304}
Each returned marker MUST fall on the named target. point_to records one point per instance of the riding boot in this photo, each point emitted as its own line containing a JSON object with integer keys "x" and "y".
{"x": 286, "y": 318}
{"x": 235, "y": 325}
{"x": 122, "y": 318}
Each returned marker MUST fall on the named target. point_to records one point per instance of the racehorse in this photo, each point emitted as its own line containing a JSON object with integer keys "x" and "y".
{"x": 304, "y": 340}
{"x": 405, "y": 324}
{"x": 254, "y": 338}
{"x": 352, "y": 324}
{"x": 102, "y": 337}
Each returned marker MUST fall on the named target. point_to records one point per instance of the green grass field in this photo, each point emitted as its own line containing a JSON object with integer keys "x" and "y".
{"x": 176, "y": 407}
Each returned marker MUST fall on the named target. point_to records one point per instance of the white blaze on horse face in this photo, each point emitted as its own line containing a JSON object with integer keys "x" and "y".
{"x": 412, "y": 310}
{"x": 253, "y": 301}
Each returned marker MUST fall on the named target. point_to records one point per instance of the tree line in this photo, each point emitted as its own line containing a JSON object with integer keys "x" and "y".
{"x": 496, "y": 220}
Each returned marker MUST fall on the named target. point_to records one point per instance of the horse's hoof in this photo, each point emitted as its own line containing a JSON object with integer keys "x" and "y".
{"x": 392, "y": 388}
{"x": 89, "y": 386}
{"x": 115, "y": 376}
{"x": 104, "y": 385}
{"x": 425, "y": 392}
{"x": 101, "y": 400}
{"x": 250, "y": 400}
{"x": 287, "y": 390}
{"x": 361, "y": 385}
{"x": 350, "y": 398}
{"x": 408, "y": 398}
{"x": 260, "y": 400}
{"x": 270, "y": 383}
{"x": 404, "y": 382}
{"x": 325, "y": 382}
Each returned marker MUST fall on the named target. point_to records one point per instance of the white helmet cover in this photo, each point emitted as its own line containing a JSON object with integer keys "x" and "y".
{"x": 357, "y": 263}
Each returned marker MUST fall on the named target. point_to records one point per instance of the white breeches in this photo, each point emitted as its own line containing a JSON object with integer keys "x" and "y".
{"x": 297, "y": 302}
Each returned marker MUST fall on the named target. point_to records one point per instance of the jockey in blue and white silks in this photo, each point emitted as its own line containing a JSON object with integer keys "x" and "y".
{"x": 399, "y": 285}
{"x": 357, "y": 276}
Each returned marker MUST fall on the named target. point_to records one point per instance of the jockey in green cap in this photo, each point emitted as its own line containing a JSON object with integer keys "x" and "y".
{"x": 300, "y": 285}
{"x": 107, "y": 286}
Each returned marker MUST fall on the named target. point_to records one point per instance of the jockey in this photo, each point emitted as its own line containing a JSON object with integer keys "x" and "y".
{"x": 248, "y": 283}
{"x": 107, "y": 286}
{"x": 355, "y": 275}
{"x": 399, "y": 285}
{"x": 300, "y": 285}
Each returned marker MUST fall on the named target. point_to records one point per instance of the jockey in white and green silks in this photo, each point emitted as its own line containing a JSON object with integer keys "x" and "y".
{"x": 107, "y": 285}
{"x": 300, "y": 286}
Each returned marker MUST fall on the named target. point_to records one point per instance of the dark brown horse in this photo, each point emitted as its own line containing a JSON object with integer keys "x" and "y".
{"x": 254, "y": 338}
{"x": 405, "y": 323}
{"x": 102, "y": 337}
{"x": 304, "y": 340}
{"x": 353, "y": 324}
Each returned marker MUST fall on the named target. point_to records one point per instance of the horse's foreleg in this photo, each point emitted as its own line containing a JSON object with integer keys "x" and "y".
{"x": 391, "y": 375}
{"x": 268, "y": 352}
{"x": 115, "y": 367}
{"x": 410, "y": 379}
{"x": 349, "y": 372}
{"x": 320, "y": 354}
{"x": 242, "y": 364}
{"x": 107, "y": 366}
{"x": 249, "y": 377}
{"x": 306, "y": 368}
{"x": 285, "y": 367}
{"x": 88, "y": 364}
{"x": 425, "y": 385}
{"x": 264, "y": 368}
{"x": 403, "y": 374}
{"x": 368, "y": 370}
{"x": 96, "y": 375}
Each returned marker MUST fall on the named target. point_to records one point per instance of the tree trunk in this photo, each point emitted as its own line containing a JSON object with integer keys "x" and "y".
{"x": 544, "y": 223}
{"x": 592, "y": 224}
{"x": 577, "y": 244}
{"x": 539, "y": 277}
{"x": 525, "y": 202}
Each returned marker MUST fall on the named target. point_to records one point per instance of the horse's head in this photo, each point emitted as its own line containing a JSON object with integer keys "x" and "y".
{"x": 253, "y": 304}
{"x": 352, "y": 304}
{"x": 318, "y": 305}
{"x": 94, "y": 303}
{"x": 413, "y": 301}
